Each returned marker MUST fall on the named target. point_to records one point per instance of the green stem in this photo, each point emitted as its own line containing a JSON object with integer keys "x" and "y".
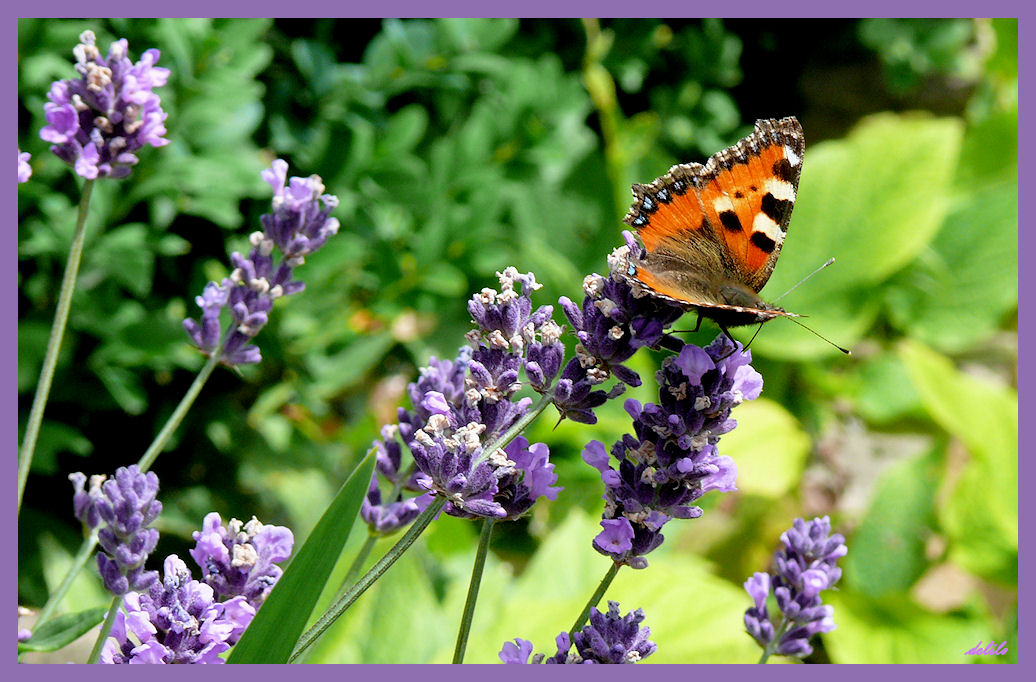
{"x": 766, "y": 655}
{"x": 420, "y": 523}
{"x": 594, "y": 599}
{"x": 178, "y": 414}
{"x": 78, "y": 562}
{"x": 357, "y": 564}
{"x": 106, "y": 629}
{"x": 476, "y": 581}
{"x": 368, "y": 544}
{"x": 145, "y": 462}
{"x": 364, "y": 583}
{"x": 57, "y": 333}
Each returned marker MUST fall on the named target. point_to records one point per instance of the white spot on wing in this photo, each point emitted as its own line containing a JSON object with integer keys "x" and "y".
{"x": 764, "y": 224}
{"x": 793, "y": 158}
{"x": 722, "y": 203}
{"x": 781, "y": 190}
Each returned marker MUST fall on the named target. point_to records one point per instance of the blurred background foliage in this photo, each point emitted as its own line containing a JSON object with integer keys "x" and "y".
{"x": 459, "y": 147}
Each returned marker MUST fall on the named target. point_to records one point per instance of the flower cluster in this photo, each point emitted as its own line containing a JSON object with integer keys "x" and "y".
{"x": 299, "y": 225}
{"x": 671, "y": 460}
{"x": 509, "y": 336}
{"x": 125, "y": 505}
{"x": 182, "y": 620}
{"x": 176, "y": 621}
{"x": 240, "y": 558}
{"x": 608, "y": 638}
{"x": 24, "y": 169}
{"x": 612, "y": 323}
{"x": 385, "y": 517}
{"x": 443, "y": 377}
{"x": 456, "y": 422}
{"x": 805, "y": 566}
{"x": 98, "y": 121}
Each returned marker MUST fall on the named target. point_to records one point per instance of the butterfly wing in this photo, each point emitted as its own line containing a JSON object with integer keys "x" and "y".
{"x": 720, "y": 227}
{"x": 747, "y": 193}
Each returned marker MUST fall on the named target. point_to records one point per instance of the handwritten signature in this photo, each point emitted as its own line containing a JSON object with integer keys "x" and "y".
{"x": 992, "y": 649}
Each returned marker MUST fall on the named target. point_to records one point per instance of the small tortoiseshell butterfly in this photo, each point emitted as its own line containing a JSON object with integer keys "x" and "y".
{"x": 712, "y": 233}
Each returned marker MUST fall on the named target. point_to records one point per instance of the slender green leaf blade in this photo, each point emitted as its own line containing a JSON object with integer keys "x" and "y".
{"x": 280, "y": 622}
{"x": 63, "y": 630}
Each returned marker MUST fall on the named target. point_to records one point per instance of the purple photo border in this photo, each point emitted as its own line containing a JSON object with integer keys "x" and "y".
{"x": 610, "y": 8}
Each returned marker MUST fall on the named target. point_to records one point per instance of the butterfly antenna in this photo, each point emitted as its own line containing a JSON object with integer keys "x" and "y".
{"x": 829, "y": 261}
{"x": 818, "y": 334}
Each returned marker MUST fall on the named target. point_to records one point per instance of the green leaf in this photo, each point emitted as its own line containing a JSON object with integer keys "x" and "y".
{"x": 707, "y": 626}
{"x": 899, "y": 631}
{"x": 981, "y": 517}
{"x": 280, "y": 622}
{"x": 124, "y": 255}
{"x": 888, "y": 549}
{"x": 769, "y": 447}
{"x": 883, "y": 394}
{"x": 956, "y": 295}
{"x": 63, "y": 630}
{"x": 335, "y": 373}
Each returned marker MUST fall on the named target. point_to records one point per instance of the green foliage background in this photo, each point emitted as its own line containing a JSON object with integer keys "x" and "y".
{"x": 459, "y": 147}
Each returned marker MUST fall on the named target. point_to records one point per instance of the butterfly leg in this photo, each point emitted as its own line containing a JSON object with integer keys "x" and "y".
{"x": 698, "y": 325}
{"x": 732, "y": 339}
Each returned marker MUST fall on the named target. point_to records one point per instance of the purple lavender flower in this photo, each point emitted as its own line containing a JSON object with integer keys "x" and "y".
{"x": 671, "y": 460}
{"x": 24, "y": 169}
{"x": 240, "y": 559}
{"x": 805, "y": 566}
{"x": 297, "y": 227}
{"x": 443, "y": 380}
{"x": 386, "y": 517}
{"x": 524, "y": 475}
{"x": 608, "y": 638}
{"x": 517, "y": 651}
{"x": 126, "y": 505}
{"x": 462, "y": 406}
{"x": 612, "y": 323}
{"x": 507, "y": 326}
{"x": 176, "y": 621}
{"x": 98, "y": 121}
{"x": 451, "y": 459}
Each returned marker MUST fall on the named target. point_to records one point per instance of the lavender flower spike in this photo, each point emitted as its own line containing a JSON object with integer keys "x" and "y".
{"x": 240, "y": 558}
{"x": 608, "y": 638}
{"x": 611, "y": 324}
{"x": 299, "y": 225}
{"x": 98, "y": 121}
{"x": 805, "y": 566}
{"x": 671, "y": 459}
{"x": 24, "y": 169}
{"x": 176, "y": 621}
{"x": 126, "y": 506}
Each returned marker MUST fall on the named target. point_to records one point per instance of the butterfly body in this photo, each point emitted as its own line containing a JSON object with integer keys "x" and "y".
{"x": 712, "y": 233}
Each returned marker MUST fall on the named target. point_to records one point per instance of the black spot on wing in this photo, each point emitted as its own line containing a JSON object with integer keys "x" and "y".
{"x": 765, "y": 244}
{"x": 783, "y": 170}
{"x": 777, "y": 210}
{"x": 730, "y": 221}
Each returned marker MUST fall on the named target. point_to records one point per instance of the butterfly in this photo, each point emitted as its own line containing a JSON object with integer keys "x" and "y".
{"x": 712, "y": 234}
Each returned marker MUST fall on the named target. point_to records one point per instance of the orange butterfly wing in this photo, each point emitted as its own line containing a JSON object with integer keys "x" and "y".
{"x": 721, "y": 222}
